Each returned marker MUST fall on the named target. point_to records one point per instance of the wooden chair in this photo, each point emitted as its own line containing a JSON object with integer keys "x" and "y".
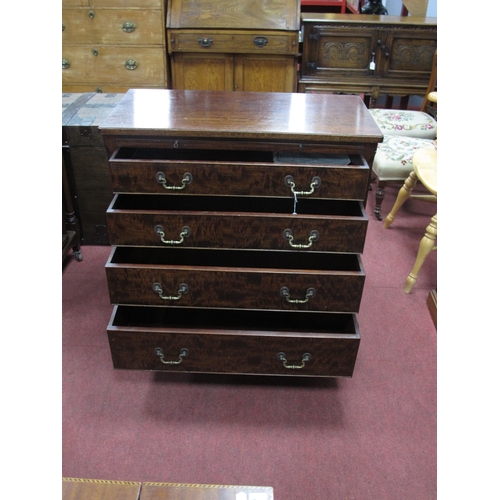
{"x": 425, "y": 171}
{"x": 404, "y": 133}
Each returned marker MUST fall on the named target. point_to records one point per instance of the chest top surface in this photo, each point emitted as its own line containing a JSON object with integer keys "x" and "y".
{"x": 242, "y": 115}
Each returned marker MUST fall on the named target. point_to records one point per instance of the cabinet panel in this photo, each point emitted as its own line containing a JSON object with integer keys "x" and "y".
{"x": 408, "y": 56}
{"x": 112, "y": 26}
{"x": 253, "y": 73}
{"x": 110, "y": 65}
{"x": 202, "y": 71}
{"x": 334, "y": 52}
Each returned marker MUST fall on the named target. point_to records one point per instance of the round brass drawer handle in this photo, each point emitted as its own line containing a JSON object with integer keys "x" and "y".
{"x": 260, "y": 41}
{"x": 305, "y": 358}
{"x": 65, "y": 64}
{"x": 128, "y": 26}
{"x": 131, "y": 64}
{"x": 205, "y": 42}
{"x": 183, "y": 353}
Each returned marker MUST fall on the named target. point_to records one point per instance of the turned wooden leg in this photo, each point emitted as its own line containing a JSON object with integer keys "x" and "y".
{"x": 426, "y": 245}
{"x": 403, "y": 195}
{"x": 379, "y": 198}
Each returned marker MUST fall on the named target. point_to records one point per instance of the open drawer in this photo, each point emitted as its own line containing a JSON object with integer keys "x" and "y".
{"x": 182, "y": 169}
{"x": 237, "y": 222}
{"x": 241, "y": 279}
{"x": 243, "y": 342}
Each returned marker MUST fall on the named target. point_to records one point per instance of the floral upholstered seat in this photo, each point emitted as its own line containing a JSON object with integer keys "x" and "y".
{"x": 394, "y": 162}
{"x": 407, "y": 123}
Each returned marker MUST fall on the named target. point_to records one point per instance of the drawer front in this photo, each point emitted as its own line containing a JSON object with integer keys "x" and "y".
{"x": 231, "y": 222}
{"x": 235, "y": 279}
{"x": 314, "y": 344}
{"x": 144, "y": 4}
{"x": 233, "y": 42}
{"x": 112, "y": 26}
{"x": 247, "y": 174}
{"x": 110, "y": 64}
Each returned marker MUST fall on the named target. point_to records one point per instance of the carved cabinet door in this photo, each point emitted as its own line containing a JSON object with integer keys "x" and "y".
{"x": 331, "y": 51}
{"x": 406, "y": 53}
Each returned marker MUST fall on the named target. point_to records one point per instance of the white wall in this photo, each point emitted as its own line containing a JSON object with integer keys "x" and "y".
{"x": 394, "y": 7}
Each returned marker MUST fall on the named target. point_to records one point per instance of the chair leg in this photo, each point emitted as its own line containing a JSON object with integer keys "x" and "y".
{"x": 379, "y": 198}
{"x": 424, "y": 249}
{"x": 403, "y": 194}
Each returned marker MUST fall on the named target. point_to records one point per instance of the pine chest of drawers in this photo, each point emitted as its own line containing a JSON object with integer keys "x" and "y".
{"x": 113, "y": 45}
{"x": 237, "y": 227}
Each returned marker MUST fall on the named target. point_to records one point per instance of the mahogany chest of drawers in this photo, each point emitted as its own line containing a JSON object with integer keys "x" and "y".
{"x": 237, "y": 227}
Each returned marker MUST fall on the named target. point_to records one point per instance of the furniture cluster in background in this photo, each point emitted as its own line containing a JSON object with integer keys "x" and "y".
{"x": 114, "y": 45}
{"x": 110, "y": 46}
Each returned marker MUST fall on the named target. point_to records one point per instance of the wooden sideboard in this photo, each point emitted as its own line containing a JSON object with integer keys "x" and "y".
{"x": 113, "y": 45}
{"x": 234, "y": 46}
{"x": 367, "y": 54}
{"x": 237, "y": 228}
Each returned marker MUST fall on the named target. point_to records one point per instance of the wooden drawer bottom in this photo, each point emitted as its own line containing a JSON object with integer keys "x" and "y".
{"x": 234, "y": 341}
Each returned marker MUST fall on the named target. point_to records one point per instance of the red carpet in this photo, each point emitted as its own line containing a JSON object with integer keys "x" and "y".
{"x": 372, "y": 437}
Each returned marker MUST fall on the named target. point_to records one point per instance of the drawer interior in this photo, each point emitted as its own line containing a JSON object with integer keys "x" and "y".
{"x": 236, "y": 204}
{"x": 236, "y": 156}
{"x": 192, "y": 257}
{"x": 219, "y": 319}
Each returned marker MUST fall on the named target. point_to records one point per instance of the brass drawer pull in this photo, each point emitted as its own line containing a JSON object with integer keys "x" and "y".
{"x": 315, "y": 183}
{"x": 183, "y": 353}
{"x": 260, "y": 41}
{"x": 285, "y": 292}
{"x": 313, "y": 236}
{"x": 205, "y": 42}
{"x": 131, "y": 64}
{"x": 95, "y": 52}
{"x": 65, "y": 64}
{"x": 187, "y": 178}
{"x": 183, "y": 290}
{"x": 185, "y": 233}
{"x": 305, "y": 358}
{"x": 91, "y": 14}
{"x": 128, "y": 26}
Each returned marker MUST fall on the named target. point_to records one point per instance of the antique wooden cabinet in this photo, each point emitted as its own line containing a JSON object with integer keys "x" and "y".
{"x": 237, "y": 228}
{"x": 366, "y": 54}
{"x": 87, "y": 162}
{"x": 238, "y": 45}
{"x": 113, "y": 45}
